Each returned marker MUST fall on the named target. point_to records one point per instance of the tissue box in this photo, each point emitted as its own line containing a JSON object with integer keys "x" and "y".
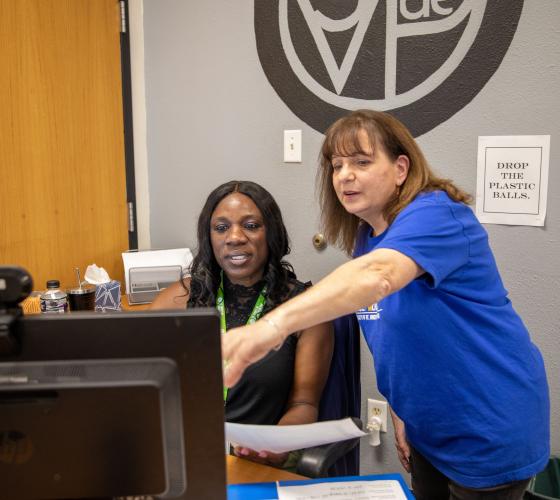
{"x": 108, "y": 296}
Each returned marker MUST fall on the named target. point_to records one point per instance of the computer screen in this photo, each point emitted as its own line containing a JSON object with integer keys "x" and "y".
{"x": 118, "y": 404}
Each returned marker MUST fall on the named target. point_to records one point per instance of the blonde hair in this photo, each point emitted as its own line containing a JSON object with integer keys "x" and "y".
{"x": 386, "y": 132}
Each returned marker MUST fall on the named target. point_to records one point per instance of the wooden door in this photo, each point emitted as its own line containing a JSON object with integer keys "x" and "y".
{"x": 62, "y": 166}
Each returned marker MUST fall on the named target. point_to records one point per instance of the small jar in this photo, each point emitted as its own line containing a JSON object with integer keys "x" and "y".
{"x": 53, "y": 299}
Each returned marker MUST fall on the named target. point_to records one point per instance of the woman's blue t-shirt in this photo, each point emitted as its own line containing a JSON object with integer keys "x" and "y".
{"x": 452, "y": 356}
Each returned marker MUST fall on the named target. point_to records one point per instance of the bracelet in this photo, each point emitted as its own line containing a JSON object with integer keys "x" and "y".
{"x": 275, "y": 326}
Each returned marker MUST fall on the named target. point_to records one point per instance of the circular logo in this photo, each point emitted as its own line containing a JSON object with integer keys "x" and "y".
{"x": 420, "y": 60}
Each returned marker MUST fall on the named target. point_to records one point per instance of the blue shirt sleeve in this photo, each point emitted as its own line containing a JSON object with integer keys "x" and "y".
{"x": 432, "y": 233}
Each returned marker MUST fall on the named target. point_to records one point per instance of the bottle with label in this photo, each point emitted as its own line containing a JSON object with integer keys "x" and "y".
{"x": 53, "y": 299}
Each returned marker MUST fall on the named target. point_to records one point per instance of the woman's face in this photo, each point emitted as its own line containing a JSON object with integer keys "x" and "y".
{"x": 365, "y": 183}
{"x": 238, "y": 237}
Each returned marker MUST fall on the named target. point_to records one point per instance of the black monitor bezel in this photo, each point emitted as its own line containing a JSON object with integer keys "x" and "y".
{"x": 190, "y": 339}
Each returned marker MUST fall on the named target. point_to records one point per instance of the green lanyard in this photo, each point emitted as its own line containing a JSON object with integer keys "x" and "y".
{"x": 254, "y": 316}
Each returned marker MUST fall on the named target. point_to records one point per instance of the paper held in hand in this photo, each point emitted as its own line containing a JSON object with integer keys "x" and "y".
{"x": 282, "y": 438}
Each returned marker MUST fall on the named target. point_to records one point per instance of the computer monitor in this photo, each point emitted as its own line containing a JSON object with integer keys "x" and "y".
{"x": 99, "y": 405}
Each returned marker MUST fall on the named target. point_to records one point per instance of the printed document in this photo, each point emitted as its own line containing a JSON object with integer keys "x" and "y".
{"x": 282, "y": 438}
{"x": 344, "y": 490}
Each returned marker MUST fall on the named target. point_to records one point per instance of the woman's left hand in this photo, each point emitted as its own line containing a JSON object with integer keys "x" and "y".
{"x": 263, "y": 457}
{"x": 401, "y": 443}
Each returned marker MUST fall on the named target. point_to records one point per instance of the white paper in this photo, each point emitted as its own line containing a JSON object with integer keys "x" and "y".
{"x": 155, "y": 258}
{"x": 344, "y": 490}
{"x": 512, "y": 179}
{"x": 282, "y": 438}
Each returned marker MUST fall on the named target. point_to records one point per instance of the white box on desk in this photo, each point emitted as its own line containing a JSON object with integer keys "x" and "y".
{"x": 147, "y": 272}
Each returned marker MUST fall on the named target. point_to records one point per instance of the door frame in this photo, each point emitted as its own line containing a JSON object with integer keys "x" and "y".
{"x": 128, "y": 126}
{"x": 134, "y": 112}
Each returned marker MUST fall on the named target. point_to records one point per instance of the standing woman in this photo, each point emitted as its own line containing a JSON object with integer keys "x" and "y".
{"x": 239, "y": 268}
{"x": 452, "y": 356}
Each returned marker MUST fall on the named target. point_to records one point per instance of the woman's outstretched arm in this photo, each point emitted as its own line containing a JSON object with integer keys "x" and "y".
{"x": 358, "y": 283}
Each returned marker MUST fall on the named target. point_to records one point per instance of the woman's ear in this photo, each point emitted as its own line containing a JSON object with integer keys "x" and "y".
{"x": 402, "y": 165}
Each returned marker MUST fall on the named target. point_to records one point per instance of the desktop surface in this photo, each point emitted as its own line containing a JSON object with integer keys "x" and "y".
{"x": 267, "y": 488}
{"x": 240, "y": 470}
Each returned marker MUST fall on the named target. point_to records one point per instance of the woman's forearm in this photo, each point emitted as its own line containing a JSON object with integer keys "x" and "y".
{"x": 355, "y": 284}
{"x": 300, "y": 413}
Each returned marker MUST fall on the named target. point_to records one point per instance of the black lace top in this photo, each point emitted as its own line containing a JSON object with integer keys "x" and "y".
{"x": 260, "y": 397}
{"x": 239, "y": 302}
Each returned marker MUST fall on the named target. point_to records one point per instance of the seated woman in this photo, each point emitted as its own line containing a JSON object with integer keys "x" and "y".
{"x": 238, "y": 268}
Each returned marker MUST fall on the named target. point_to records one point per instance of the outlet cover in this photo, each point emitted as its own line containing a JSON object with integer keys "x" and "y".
{"x": 377, "y": 408}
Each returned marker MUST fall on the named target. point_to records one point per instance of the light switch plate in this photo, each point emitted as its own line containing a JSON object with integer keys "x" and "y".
{"x": 292, "y": 146}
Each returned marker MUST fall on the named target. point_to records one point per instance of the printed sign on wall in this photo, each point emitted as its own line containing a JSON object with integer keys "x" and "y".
{"x": 420, "y": 60}
{"x": 512, "y": 179}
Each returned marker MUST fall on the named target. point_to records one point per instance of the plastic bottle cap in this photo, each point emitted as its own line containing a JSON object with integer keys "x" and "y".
{"x": 53, "y": 284}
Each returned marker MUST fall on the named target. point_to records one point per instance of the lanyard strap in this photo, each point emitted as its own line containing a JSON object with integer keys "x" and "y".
{"x": 254, "y": 316}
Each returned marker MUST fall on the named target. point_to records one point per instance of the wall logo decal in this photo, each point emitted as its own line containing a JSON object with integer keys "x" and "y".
{"x": 421, "y": 60}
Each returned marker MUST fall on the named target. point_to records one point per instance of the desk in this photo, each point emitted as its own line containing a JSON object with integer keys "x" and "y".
{"x": 31, "y": 304}
{"x": 240, "y": 470}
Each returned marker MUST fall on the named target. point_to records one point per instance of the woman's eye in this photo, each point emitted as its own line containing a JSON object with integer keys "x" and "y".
{"x": 220, "y": 228}
{"x": 362, "y": 162}
{"x": 337, "y": 166}
{"x": 253, "y": 226}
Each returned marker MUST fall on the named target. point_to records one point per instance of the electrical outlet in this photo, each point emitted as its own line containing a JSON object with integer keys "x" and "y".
{"x": 376, "y": 408}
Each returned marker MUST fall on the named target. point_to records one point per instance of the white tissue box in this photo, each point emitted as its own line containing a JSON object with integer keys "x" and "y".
{"x": 147, "y": 272}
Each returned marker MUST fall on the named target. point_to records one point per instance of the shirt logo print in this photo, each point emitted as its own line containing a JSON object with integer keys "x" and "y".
{"x": 370, "y": 313}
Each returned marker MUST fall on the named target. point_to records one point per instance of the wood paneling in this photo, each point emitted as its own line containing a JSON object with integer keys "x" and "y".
{"x": 62, "y": 170}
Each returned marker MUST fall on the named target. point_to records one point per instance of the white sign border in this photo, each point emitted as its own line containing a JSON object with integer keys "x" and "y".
{"x": 512, "y": 141}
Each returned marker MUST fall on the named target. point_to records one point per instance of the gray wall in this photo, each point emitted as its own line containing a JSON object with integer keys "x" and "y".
{"x": 212, "y": 116}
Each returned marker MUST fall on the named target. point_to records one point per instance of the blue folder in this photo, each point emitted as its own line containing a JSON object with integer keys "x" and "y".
{"x": 267, "y": 491}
